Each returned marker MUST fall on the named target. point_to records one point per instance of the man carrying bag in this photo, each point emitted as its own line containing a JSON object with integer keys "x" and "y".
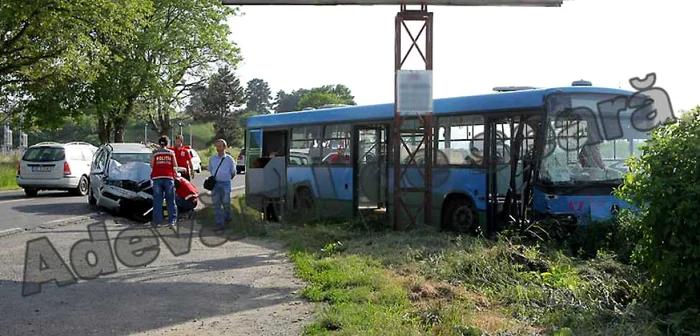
{"x": 219, "y": 183}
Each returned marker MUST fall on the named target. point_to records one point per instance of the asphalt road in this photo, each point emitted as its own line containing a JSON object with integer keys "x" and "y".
{"x": 18, "y": 211}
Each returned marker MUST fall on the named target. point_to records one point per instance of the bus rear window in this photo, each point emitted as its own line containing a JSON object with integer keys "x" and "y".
{"x": 44, "y": 154}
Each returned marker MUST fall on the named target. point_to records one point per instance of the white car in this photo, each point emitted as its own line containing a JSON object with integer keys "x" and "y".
{"x": 196, "y": 161}
{"x": 56, "y": 166}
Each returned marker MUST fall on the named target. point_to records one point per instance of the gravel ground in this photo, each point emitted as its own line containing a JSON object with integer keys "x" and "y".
{"x": 241, "y": 287}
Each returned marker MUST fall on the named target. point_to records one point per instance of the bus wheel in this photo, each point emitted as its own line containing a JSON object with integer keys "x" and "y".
{"x": 304, "y": 199}
{"x": 460, "y": 216}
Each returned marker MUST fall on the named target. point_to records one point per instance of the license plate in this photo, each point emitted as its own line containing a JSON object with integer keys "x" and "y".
{"x": 41, "y": 169}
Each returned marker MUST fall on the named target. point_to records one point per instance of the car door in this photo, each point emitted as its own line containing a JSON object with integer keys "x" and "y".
{"x": 97, "y": 173}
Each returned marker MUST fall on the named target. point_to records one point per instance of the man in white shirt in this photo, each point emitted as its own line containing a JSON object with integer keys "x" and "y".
{"x": 223, "y": 168}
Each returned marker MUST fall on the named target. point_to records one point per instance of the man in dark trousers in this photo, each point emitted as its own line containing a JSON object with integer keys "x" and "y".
{"x": 163, "y": 174}
{"x": 186, "y": 196}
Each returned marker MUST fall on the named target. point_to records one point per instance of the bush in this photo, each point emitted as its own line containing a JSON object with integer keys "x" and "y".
{"x": 665, "y": 185}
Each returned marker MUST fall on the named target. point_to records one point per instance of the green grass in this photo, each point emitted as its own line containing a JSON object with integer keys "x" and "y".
{"x": 375, "y": 282}
{"x": 8, "y": 173}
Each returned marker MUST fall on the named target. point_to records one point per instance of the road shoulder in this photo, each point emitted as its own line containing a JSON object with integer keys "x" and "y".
{"x": 240, "y": 287}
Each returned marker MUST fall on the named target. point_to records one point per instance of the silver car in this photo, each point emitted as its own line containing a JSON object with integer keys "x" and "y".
{"x": 56, "y": 166}
{"x": 106, "y": 191}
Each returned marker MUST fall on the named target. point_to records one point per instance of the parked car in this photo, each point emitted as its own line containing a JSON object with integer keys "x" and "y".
{"x": 56, "y": 166}
{"x": 240, "y": 162}
{"x": 196, "y": 161}
{"x": 112, "y": 187}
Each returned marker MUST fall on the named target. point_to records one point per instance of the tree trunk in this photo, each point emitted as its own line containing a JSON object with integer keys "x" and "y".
{"x": 104, "y": 129}
{"x": 119, "y": 126}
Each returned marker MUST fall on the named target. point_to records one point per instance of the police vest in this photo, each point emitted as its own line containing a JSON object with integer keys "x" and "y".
{"x": 163, "y": 164}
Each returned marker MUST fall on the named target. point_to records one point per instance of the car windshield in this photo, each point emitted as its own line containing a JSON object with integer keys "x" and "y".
{"x": 44, "y": 154}
{"x": 588, "y": 142}
{"x": 125, "y": 158}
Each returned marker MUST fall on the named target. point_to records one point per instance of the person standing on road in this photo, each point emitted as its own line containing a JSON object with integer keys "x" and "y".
{"x": 223, "y": 168}
{"x": 163, "y": 174}
{"x": 184, "y": 156}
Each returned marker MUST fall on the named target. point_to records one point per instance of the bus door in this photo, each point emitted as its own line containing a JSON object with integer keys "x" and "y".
{"x": 370, "y": 168}
{"x": 509, "y": 152}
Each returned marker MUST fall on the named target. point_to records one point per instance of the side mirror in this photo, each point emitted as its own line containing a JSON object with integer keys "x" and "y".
{"x": 181, "y": 170}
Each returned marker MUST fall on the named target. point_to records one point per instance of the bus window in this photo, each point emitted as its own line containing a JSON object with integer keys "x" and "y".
{"x": 337, "y": 144}
{"x": 305, "y": 146}
{"x": 460, "y": 138}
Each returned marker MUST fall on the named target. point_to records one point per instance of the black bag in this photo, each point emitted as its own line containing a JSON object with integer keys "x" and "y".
{"x": 210, "y": 182}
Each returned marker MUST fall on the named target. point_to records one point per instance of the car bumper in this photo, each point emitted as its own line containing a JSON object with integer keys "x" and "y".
{"x": 70, "y": 182}
{"x": 112, "y": 197}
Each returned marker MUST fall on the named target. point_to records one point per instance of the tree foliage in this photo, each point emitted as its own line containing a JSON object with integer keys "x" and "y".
{"x": 287, "y": 102}
{"x": 218, "y": 101}
{"x": 326, "y": 95}
{"x": 258, "y": 96}
{"x": 42, "y": 39}
{"x": 119, "y": 59}
{"x": 665, "y": 185}
{"x": 313, "y": 98}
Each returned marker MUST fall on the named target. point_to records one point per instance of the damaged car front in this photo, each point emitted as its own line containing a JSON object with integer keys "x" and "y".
{"x": 127, "y": 189}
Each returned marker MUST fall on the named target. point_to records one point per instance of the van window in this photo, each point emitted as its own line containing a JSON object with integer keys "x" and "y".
{"x": 44, "y": 154}
{"x": 75, "y": 154}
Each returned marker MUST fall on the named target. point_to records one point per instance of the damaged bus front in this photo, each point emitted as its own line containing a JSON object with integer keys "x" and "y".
{"x": 588, "y": 139}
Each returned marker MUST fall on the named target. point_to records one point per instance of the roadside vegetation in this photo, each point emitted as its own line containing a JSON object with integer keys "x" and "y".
{"x": 636, "y": 275}
{"x": 8, "y": 172}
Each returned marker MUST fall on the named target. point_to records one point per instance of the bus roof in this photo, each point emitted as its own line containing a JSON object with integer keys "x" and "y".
{"x": 492, "y": 102}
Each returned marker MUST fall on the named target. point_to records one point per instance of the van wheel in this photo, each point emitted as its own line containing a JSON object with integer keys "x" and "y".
{"x": 82, "y": 189}
{"x": 31, "y": 192}
{"x": 460, "y": 216}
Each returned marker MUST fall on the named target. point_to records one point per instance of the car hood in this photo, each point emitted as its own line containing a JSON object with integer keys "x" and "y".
{"x": 132, "y": 171}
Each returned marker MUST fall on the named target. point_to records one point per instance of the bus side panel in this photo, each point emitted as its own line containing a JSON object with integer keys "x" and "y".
{"x": 446, "y": 181}
{"x": 331, "y": 188}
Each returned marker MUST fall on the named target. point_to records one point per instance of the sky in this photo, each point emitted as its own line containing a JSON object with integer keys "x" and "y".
{"x": 606, "y": 42}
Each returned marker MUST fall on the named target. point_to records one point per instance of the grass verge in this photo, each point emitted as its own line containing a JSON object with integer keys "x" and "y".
{"x": 377, "y": 282}
{"x": 8, "y": 173}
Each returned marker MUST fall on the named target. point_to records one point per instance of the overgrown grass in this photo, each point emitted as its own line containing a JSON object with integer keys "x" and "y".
{"x": 377, "y": 282}
{"x": 8, "y": 173}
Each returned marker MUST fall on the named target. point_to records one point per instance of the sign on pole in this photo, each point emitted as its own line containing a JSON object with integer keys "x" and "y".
{"x": 414, "y": 92}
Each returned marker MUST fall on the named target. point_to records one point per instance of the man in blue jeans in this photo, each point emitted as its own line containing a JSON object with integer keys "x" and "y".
{"x": 223, "y": 167}
{"x": 163, "y": 174}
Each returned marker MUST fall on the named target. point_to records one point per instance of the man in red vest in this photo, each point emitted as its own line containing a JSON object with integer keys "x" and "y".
{"x": 184, "y": 156}
{"x": 186, "y": 196}
{"x": 163, "y": 174}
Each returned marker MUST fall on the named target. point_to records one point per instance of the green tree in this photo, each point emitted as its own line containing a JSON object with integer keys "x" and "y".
{"x": 258, "y": 96}
{"x": 50, "y": 49}
{"x": 326, "y": 95}
{"x": 219, "y": 101}
{"x": 287, "y": 102}
{"x": 664, "y": 184}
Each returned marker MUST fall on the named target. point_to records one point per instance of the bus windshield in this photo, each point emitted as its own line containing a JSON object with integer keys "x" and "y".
{"x": 590, "y": 137}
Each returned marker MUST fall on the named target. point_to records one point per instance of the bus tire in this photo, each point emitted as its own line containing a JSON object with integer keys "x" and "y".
{"x": 304, "y": 199}
{"x": 460, "y": 216}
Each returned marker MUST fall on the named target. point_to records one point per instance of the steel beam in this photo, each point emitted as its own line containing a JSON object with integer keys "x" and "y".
{"x": 424, "y": 124}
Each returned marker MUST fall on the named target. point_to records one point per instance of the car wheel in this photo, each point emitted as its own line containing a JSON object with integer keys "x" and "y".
{"x": 31, "y": 192}
{"x": 83, "y": 187}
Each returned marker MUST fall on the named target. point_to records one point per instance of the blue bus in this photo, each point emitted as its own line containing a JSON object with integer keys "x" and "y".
{"x": 526, "y": 152}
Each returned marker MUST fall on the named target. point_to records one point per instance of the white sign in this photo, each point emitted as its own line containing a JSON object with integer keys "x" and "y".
{"x": 414, "y": 92}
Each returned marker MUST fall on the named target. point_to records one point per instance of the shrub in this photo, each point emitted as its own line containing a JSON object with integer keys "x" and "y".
{"x": 665, "y": 185}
